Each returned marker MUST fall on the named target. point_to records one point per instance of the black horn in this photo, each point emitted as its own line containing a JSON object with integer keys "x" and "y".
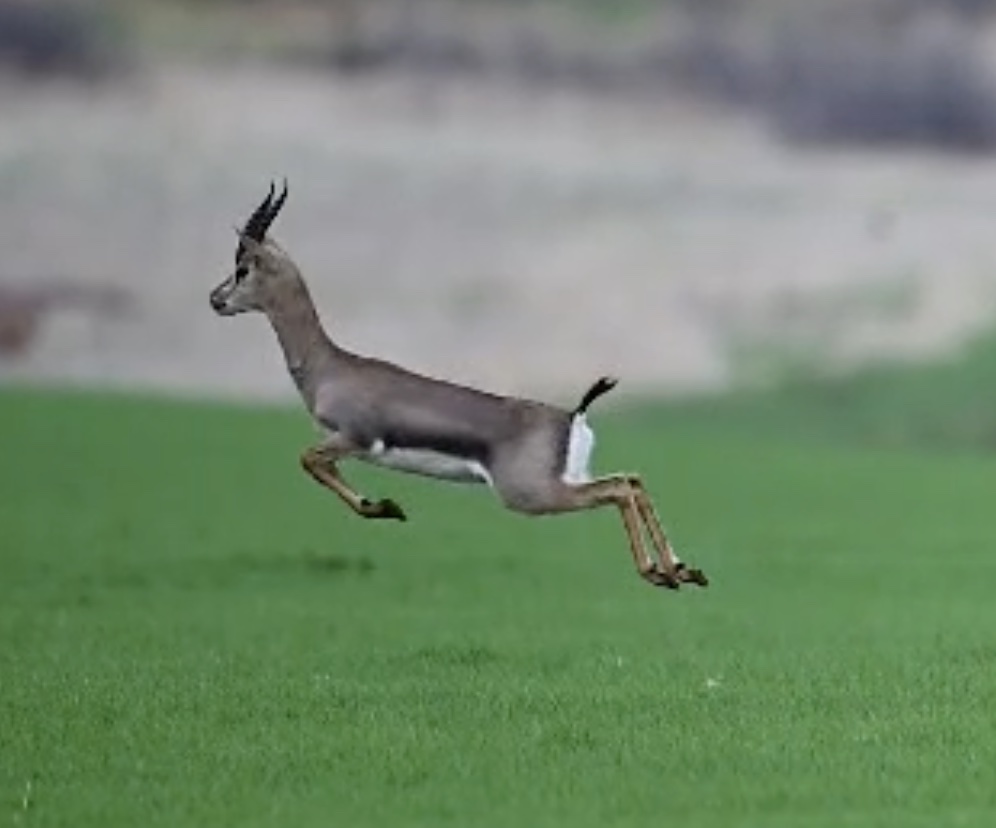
{"x": 261, "y": 219}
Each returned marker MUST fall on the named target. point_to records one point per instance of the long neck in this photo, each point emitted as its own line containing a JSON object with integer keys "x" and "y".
{"x": 294, "y": 319}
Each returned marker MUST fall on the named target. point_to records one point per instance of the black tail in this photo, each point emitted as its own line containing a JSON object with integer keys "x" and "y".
{"x": 604, "y": 385}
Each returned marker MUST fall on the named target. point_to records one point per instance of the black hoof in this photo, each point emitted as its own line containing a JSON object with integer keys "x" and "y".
{"x": 388, "y": 509}
{"x": 662, "y": 579}
{"x": 692, "y": 576}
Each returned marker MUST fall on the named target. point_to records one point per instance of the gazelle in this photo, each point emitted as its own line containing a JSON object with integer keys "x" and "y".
{"x": 535, "y": 456}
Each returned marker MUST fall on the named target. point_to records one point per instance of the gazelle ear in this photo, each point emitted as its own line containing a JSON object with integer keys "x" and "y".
{"x": 248, "y": 244}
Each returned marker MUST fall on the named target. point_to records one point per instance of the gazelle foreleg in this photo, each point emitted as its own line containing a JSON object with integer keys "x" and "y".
{"x": 321, "y": 463}
{"x": 669, "y": 561}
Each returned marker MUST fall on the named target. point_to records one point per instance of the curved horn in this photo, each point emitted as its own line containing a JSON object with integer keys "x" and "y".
{"x": 278, "y": 205}
{"x": 262, "y": 217}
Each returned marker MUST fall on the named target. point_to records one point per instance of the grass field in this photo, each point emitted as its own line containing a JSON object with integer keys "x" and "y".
{"x": 194, "y": 634}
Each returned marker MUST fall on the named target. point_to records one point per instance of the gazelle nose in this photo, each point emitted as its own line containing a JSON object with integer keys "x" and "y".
{"x": 217, "y": 303}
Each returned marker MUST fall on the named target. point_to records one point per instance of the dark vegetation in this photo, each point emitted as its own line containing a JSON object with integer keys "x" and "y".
{"x": 879, "y": 73}
{"x": 48, "y": 38}
{"x": 885, "y": 72}
{"x": 868, "y": 74}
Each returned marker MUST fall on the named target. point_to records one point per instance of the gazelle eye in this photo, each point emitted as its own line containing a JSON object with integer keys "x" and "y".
{"x": 241, "y": 272}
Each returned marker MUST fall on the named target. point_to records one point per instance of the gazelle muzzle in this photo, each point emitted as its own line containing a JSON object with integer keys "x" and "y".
{"x": 220, "y": 298}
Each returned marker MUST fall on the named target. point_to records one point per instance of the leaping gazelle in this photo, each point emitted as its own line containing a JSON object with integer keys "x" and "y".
{"x": 535, "y": 456}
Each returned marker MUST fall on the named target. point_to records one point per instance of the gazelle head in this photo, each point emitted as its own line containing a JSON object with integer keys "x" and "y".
{"x": 261, "y": 267}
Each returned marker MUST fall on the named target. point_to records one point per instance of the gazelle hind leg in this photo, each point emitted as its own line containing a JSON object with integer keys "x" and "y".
{"x": 669, "y": 561}
{"x": 616, "y": 490}
{"x": 645, "y": 566}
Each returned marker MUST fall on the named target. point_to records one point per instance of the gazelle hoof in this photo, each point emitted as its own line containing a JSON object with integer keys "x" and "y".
{"x": 692, "y": 576}
{"x": 387, "y": 508}
{"x": 659, "y": 577}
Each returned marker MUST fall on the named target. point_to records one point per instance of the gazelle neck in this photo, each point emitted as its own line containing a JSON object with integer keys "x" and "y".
{"x": 298, "y": 328}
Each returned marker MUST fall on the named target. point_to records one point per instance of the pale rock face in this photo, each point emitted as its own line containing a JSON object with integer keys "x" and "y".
{"x": 505, "y": 246}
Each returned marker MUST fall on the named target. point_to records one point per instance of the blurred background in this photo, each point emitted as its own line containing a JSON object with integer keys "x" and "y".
{"x": 695, "y": 196}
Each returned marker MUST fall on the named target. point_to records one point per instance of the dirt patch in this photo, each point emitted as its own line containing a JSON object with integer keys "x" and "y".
{"x": 525, "y": 241}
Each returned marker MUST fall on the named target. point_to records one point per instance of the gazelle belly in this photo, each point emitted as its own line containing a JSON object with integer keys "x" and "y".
{"x": 428, "y": 463}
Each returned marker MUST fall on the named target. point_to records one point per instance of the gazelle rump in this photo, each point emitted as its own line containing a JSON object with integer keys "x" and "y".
{"x": 535, "y": 456}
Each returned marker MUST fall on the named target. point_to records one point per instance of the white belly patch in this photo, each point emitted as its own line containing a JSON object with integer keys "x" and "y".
{"x": 580, "y": 442}
{"x": 428, "y": 463}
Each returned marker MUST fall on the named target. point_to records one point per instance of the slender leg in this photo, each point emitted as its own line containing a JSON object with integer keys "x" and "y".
{"x": 320, "y": 462}
{"x": 619, "y": 491}
{"x": 669, "y": 561}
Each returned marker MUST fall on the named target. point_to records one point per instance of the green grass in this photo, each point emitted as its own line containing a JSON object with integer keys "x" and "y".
{"x": 949, "y": 405}
{"x": 194, "y": 634}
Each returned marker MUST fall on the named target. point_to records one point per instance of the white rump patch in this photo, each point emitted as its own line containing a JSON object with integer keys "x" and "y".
{"x": 580, "y": 443}
{"x": 428, "y": 463}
